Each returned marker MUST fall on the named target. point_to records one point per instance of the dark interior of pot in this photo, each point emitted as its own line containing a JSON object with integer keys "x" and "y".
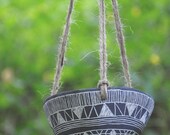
{"x": 124, "y": 112}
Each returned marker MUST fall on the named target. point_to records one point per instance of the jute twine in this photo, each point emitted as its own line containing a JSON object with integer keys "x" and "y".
{"x": 103, "y": 82}
{"x": 121, "y": 41}
{"x": 62, "y": 50}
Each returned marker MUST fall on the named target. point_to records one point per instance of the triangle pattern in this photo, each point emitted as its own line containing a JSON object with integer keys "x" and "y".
{"x": 138, "y": 110}
{"x": 118, "y": 131}
{"x": 105, "y": 112}
{"x": 63, "y": 115}
{"x": 68, "y": 117}
{"x": 98, "y": 108}
{"x": 131, "y": 107}
{"x": 143, "y": 119}
{"x": 140, "y": 113}
{"x": 60, "y": 119}
{"x": 122, "y": 107}
{"x": 104, "y": 131}
{"x": 126, "y": 111}
{"x": 55, "y": 118}
{"x": 75, "y": 116}
{"x": 94, "y": 132}
{"x": 69, "y": 113}
{"x": 111, "y": 107}
{"x": 119, "y": 109}
{"x": 78, "y": 111}
{"x": 113, "y": 132}
{"x": 84, "y": 115}
{"x": 93, "y": 113}
{"x": 87, "y": 110}
{"x": 99, "y": 131}
{"x": 107, "y": 132}
{"x": 53, "y": 121}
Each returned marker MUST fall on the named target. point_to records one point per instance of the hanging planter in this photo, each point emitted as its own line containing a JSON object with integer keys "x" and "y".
{"x": 125, "y": 112}
{"x": 103, "y": 110}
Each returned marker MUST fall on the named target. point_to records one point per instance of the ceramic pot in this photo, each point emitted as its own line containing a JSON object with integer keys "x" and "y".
{"x": 125, "y": 112}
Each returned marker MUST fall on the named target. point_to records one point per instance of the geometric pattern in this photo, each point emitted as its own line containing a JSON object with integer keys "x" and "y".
{"x": 107, "y": 132}
{"x": 101, "y": 110}
{"x": 125, "y": 112}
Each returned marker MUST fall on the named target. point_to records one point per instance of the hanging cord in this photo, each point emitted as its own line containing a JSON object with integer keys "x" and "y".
{"x": 121, "y": 41}
{"x": 62, "y": 50}
{"x": 103, "y": 83}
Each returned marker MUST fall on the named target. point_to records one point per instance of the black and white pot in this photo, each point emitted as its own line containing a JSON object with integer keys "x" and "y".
{"x": 125, "y": 112}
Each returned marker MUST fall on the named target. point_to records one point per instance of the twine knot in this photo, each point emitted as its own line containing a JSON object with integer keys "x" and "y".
{"x": 103, "y": 86}
{"x": 103, "y": 82}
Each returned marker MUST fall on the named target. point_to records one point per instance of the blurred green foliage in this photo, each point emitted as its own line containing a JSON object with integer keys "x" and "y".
{"x": 29, "y": 32}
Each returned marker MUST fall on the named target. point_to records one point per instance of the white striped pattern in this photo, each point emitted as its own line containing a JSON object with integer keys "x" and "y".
{"x": 93, "y": 97}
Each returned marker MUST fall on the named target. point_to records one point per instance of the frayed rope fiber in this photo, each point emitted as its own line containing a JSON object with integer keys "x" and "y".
{"x": 62, "y": 50}
{"x": 121, "y": 41}
{"x": 103, "y": 83}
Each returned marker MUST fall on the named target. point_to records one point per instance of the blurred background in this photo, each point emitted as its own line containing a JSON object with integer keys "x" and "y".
{"x": 30, "y": 31}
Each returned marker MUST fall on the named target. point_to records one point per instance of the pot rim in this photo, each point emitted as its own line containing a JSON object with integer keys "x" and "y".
{"x": 93, "y": 89}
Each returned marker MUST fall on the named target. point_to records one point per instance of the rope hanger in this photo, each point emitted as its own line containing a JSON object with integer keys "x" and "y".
{"x": 121, "y": 41}
{"x": 103, "y": 82}
{"x": 62, "y": 50}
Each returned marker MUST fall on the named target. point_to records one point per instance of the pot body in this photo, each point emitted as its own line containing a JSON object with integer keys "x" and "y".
{"x": 125, "y": 112}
